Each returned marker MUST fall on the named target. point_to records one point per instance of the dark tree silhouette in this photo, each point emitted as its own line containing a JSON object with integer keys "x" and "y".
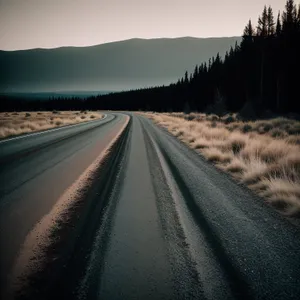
{"x": 249, "y": 30}
{"x": 262, "y": 28}
{"x": 270, "y": 22}
{"x": 278, "y": 26}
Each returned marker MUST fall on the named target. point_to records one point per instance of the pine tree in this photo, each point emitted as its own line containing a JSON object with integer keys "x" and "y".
{"x": 270, "y": 22}
{"x": 278, "y": 25}
{"x": 196, "y": 72}
{"x": 249, "y": 31}
{"x": 209, "y": 64}
{"x": 289, "y": 17}
{"x": 186, "y": 77}
{"x": 226, "y": 56}
{"x": 218, "y": 59}
{"x": 213, "y": 61}
{"x": 236, "y": 47}
{"x": 262, "y": 28}
{"x": 298, "y": 17}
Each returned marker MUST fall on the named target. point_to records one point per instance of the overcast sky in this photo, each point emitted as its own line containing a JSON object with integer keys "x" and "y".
{"x": 28, "y": 24}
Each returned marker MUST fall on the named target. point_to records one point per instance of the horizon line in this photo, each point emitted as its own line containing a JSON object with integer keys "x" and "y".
{"x": 120, "y": 41}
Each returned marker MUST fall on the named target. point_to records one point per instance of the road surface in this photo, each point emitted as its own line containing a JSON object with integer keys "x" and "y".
{"x": 164, "y": 223}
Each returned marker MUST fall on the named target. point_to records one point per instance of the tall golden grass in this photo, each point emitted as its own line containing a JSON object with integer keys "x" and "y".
{"x": 15, "y": 123}
{"x": 264, "y": 154}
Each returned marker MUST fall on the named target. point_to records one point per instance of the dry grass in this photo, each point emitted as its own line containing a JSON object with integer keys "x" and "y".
{"x": 263, "y": 154}
{"x": 16, "y": 123}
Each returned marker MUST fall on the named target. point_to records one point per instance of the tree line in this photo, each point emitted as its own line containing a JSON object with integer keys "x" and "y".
{"x": 263, "y": 72}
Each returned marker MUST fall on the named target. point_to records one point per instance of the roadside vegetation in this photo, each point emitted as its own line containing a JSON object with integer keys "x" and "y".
{"x": 262, "y": 154}
{"x": 15, "y": 123}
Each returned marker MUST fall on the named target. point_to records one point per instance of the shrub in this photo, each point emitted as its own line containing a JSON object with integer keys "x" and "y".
{"x": 278, "y": 133}
{"x": 55, "y": 112}
{"x": 189, "y": 117}
{"x": 83, "y": 117}
{"x": 246, "y": 128}
{"x": 229, "y": 119}
{"x": 213, "y": 118}
{"x": 27, "y": 115}
{"x": 92, "y": 116}
{"x": 267, "y": 127}
{"x": 294, "y": 129}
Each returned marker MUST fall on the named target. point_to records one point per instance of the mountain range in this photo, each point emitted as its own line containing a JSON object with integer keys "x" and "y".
{"x": 123, "y": 65}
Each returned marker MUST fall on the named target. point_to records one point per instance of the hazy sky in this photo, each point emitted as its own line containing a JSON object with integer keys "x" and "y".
{"x": 28, "y": 24}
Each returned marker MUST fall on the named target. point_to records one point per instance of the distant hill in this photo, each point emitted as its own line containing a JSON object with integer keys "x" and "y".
{"x": 47, "y": 95}
{"x": 113, "y": 66}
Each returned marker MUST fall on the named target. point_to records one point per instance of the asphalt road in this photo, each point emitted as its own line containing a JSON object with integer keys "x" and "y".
{"x": 170, "y": 226}
{"x": 36, "y": 169}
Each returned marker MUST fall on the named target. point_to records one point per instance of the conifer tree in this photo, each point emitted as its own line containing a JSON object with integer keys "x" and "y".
{"x": 186, "y": 77}
{"x": 226, "y": 56}
{"x": 236, "y": 47}
{"x": 249, "y": 31}
{"x": 289, "y": 17}
{"x": 270, "y": 22}
{"x": 196, "y": 72}
{"x": 218, "y": 59}
{"x": 278, "y": 25}
{"x": 298, "y": 17}
{"x": 262, "y": 28}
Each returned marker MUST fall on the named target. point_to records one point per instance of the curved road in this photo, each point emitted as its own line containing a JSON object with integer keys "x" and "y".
{"x": 170, "y": 226}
